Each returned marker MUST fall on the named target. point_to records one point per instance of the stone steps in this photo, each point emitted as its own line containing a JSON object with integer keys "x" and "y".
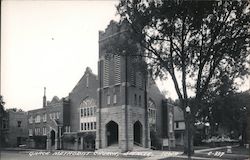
{"x": 115, "y": 148}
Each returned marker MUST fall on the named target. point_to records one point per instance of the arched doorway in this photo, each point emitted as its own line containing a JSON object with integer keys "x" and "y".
{"x": 137, "y": 133}
{"x": 52, "y": 137}
{"x": 112, "y": 133}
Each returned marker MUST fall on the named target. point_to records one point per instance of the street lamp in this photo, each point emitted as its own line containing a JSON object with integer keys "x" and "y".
{"x": 188, "y": 111}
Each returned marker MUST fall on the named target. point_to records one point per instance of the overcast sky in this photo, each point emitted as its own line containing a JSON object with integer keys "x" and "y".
{"x": 50, "y": 44}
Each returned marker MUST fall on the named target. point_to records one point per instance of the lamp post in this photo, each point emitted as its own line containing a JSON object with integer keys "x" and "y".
{"x": 188, "y": 111}
{"x": 243, "y": 121}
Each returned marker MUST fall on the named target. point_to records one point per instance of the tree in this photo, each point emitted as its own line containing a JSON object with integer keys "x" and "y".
{"x": 2, "y": 113}
{"x": 227, "y": 110}
{"x": 200, "y": 40}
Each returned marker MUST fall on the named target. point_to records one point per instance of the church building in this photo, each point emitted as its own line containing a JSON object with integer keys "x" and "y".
{"x": 121, "y": 107}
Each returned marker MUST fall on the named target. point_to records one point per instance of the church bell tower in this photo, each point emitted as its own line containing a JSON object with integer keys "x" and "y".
{"x": 122, "y": 110}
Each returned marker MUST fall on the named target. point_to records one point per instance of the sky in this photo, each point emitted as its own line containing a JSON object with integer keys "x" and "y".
{"x": 50, "y": 44}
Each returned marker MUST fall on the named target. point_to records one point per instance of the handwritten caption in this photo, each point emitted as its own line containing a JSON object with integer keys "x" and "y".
{"x": 100, "y": 153}
{"x": 216, "y": 154}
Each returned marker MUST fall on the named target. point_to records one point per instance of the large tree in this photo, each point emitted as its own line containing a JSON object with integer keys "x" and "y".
{"x": 198, "y": 40}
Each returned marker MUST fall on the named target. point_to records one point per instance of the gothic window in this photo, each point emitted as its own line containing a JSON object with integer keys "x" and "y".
{"x": 117, "y": 68}
{"x": 81, "y": 112}
{"x": 139, "y": 100}
{"x": 91, "y": 111}
{"x": 91, "y": 126}
{"x": 81, "y": 126}
{"x": 115, "y": 99}
{"x": 135, "y": 99}
{"x": 87, "y": 81}
{"x": 139, "y": 80}
{"x": 88, "y": 126}
{"x": 106, "y": 72}
{"x": 88, "y": 109}
{"x": 108, "y": 99}
{"x": 152, "y": 114}
{"x": 132, "y": 76}
{"x": 85, "y": 112}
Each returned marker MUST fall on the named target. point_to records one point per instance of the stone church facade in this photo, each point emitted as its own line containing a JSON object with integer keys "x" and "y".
{"x": 120, "y": 107}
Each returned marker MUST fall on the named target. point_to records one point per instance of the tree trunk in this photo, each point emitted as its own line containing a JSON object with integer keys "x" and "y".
{"x": 190, "y": 133}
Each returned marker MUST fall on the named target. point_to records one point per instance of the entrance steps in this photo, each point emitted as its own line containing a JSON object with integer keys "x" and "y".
{"x": 112, "y": 148}
{"x": 141, "y": 149}
{"x": 115, "y": 148}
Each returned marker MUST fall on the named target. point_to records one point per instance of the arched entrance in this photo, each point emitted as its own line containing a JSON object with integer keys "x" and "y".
{"x": 52, "y": 137}
{"x": 137, "y": 133}
{"x": 112, "y": 133}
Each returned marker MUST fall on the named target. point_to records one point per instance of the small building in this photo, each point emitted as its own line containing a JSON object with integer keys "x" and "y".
{"x": 3, "y": 126}
{"x": 46, "y": 125}
{"x": 179, "y": 126}
{"x": 14, "y": 128}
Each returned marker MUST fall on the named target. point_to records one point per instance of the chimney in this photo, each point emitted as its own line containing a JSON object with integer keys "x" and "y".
{"x": 44, "y": 98}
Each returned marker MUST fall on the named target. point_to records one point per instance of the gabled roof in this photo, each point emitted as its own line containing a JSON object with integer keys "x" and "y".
{"x": 88, "y": 71}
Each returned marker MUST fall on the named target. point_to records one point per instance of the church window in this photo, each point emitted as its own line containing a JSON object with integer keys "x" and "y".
{"x": 135, "y": 99}
{"x": 82, "y": 126}
{"x": 81, "y": 112}
{"x": 117, "y": 68}
{"x": 91, "y": 126}
{"x": 88, "y": 126}
{"x": 108, "y": 99}
{"x": 115, "y": 99}
{"x": 87, "y": 81}
{"x": 152, "y": 115}
{"x": 140, "y": 100}
{"x": 85, "y": 112}
{"x": 94, "y": 125}
{"x": 85, "y": 126}
{"x": 139, "y": 80}
{"x": 106, "y": 72}
{"x": 91, "y": 111}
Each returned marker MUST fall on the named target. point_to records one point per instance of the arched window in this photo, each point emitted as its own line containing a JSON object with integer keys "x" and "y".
{"x": 152, "y": 114}
{"x": 87, "y": 111}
